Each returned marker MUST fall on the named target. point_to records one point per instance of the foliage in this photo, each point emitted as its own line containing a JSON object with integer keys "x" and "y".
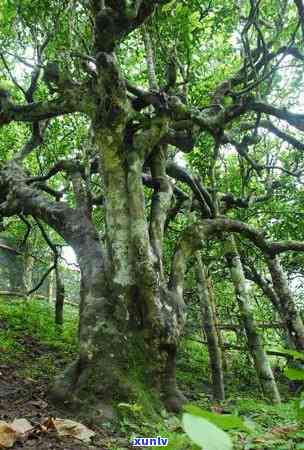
{"x": 205, "y": 434}
{"x": 223, "y": 421}
{"x": 33, "y": 321}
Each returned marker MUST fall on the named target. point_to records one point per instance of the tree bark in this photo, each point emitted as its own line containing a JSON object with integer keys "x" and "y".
{"x": 127, "y": 310}
{"x": 216, "y": 322}
{"x": 50, "y": 293}
{"x": 209, "y": 326}
{"x": 288, "y": 309}
{"x": 255, "y": 344}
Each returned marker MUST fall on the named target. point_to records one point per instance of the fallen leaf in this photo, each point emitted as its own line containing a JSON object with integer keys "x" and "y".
{"x": 21, "y": 426}
{"x": 73, "y": 429}
{"x": 49, "y": 424}
{"x": 22, "y": 429}
{"x": 259, "y": 440}
{"x": 8, "y": 435}
{"x": 283, "y": 430}
{"x": 217, "y": 409}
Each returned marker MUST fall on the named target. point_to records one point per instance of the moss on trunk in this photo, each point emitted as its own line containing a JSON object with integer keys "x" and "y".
{"x": 254, "y": 340}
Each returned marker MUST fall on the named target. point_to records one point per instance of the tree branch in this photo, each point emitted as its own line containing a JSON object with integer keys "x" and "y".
{"x": 73, "y": 101}
{"x": 296, "y": 120}
{"x": 199, "y": 191}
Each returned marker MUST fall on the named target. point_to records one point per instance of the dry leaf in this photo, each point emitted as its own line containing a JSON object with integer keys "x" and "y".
{"x": 283, "y": 430}
{"x": 49, "y": 424}
{"x": 11, "y": 432}
{"x": 20, "y": 429}
{"x": 8, "y": 435}
{"x": 21, "y": 426}
{"x": 73, "y": 429}
{"x": 217, "y": 409}
{"x": 259, "y": 440}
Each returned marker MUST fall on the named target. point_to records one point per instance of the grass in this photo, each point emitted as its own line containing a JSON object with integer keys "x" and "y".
{"x": 27, "y": 331}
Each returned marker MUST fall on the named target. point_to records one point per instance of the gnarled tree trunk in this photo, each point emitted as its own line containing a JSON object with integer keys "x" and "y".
{"x": 127, "y": 310}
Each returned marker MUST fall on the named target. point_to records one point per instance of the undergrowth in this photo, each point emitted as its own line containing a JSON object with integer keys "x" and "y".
{"x": 30, "y": 340}
{"x": 28, "y": 333}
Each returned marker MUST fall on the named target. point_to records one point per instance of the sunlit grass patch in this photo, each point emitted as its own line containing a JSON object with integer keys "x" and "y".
{"x": 27, "y": 328}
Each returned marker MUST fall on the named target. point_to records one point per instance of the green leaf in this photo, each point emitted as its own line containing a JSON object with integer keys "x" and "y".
{"x": 206, "y": 434}
{"x": 294, "y": 374}
{"x": 224, "y": 421}
{"x": 300, "y": 408}
{"x": 292, "y": 353}
{"x": 168, "y": 6}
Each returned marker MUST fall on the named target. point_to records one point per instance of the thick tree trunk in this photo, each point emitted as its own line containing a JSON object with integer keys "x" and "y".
{"x": 209, "y": 326}
{"x": 111, "y": 366}
{"x": 127, "y": 310}
{"x": 288, "y": 309}
{"x": 114, "y": 343}
{"x": 255, "y": 343}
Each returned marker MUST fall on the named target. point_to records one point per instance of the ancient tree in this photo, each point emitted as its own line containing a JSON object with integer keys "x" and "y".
{"x": 113, "y": 198}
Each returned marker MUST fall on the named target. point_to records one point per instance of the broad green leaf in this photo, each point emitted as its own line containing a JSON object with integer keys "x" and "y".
{"x": 224, "y": 421}
{"x": 206, "y": 434}
{"x": 288, "y": 352}
{"x": 294, "y": 374}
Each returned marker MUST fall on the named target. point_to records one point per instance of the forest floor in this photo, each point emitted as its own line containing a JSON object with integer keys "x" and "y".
{"x": 24, "y": 397}
{"x": 32, "y": 352}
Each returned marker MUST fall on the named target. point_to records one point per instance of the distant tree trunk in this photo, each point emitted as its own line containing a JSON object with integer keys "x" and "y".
{"x": 214, "y": 349}
{"x": 15, "y": 276}
{"x": 255, "y": 343}
{"x": 59, "y": 298}
{"x": 50, "y": 293}
{"x": 269, "y": 292}
{"x": 216, "y": 322}
{"x": 28, "y": 266}
{"x": 289, "y": 312}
